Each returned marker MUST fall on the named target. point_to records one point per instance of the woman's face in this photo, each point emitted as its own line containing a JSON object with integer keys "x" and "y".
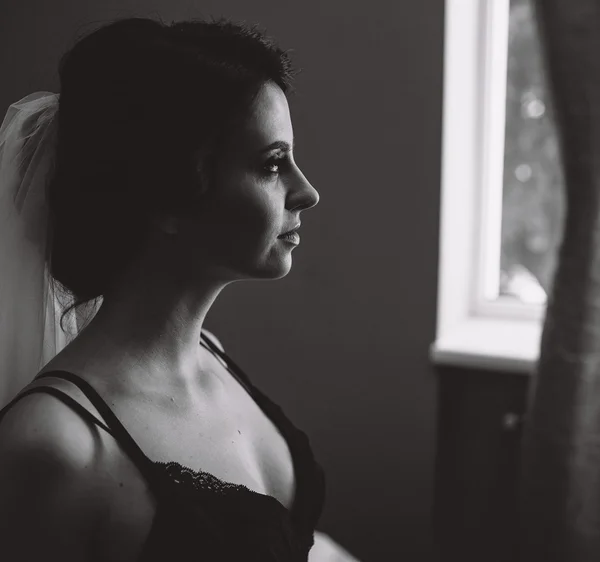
{"x": 258, "y": 194}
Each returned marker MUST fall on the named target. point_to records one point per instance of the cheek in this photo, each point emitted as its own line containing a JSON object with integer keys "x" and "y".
{"x": 252, "y": 212}
{"x": 243, "y": 208}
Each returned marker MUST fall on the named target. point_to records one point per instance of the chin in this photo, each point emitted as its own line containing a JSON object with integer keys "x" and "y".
{"x": 272, "y": 273}
{"x": 270, "y": 269}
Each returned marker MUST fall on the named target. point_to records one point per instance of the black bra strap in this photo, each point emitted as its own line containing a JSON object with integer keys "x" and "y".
{"x": 119, "y": 432}
{"x": 64, "y": 397}
{"x": 115, "y": 427}
{"x": 237, "y": 372}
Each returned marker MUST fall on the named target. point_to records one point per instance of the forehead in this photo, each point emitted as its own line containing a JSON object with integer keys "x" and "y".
{"x": 269, "y": 119}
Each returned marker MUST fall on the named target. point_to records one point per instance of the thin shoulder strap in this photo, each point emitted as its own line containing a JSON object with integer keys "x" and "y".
{"x": 117, "y": 429}
{"x": 237, "y": 372}
{"x": 64, "y": 397}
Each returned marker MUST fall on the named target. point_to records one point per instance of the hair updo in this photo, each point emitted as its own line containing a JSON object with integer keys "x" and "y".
{"x": 144, "y": 108}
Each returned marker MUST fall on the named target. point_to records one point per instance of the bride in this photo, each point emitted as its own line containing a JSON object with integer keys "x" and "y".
{"x": 169, "y": 160}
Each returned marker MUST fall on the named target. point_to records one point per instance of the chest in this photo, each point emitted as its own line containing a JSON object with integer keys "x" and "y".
{"x": 232, "y": 439}
{"x": 226, "y": 434}
{"x": 229, "y": 437}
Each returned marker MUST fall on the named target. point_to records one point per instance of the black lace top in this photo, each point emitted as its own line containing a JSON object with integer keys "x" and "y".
{"x": 200, "y": 517}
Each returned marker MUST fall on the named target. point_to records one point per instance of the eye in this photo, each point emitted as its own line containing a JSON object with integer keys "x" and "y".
{"x": 274, "y": 162}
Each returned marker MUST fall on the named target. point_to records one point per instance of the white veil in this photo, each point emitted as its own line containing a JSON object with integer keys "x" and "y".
{"x": 30, "y": 333}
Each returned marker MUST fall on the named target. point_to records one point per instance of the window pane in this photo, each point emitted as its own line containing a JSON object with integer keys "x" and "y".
{"x": 533, "y": 205}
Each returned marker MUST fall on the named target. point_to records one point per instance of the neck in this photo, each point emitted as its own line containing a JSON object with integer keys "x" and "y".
{"x": 150, "y": 329}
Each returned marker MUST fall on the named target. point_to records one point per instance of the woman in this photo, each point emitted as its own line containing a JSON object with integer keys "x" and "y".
{"x": 173, "y": 177}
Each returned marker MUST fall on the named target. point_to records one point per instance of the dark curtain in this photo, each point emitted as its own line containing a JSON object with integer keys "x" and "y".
{"x": 560, "y": 472}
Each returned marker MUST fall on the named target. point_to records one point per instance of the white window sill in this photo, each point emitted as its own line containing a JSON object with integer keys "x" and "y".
{"x": 504, "y": 345}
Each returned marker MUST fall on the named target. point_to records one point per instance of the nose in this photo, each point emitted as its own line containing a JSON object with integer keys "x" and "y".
{"x": 304, "y": 195}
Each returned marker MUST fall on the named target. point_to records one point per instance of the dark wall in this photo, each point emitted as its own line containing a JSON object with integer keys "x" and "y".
{"x": 342, "y": 342}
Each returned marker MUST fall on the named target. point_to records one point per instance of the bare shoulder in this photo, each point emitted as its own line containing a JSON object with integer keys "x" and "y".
{"x": 41, "y": 425}
{"x": 51, "y": 486}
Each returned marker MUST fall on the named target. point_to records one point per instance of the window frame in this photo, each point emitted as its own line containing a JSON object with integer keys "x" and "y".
{"x": 471, "y": 330}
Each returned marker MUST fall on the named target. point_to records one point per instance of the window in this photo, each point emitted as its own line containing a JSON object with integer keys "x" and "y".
{"x": 502, "y": 206}
{"x": 532, "y": 205}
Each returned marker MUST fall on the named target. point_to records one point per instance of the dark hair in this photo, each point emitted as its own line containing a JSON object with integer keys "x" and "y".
{"x": 143, "y": 111}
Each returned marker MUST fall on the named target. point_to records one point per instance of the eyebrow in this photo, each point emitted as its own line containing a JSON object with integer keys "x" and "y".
{"x": 281, "y": 145}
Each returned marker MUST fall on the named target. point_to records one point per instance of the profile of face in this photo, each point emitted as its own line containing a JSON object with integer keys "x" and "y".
{"x": 258, "y": 194}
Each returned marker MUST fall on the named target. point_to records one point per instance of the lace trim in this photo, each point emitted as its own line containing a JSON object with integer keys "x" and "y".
{"x": 202, "y": 481}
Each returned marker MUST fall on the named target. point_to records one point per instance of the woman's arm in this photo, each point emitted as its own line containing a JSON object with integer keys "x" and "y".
{"x": 326, "y": 549}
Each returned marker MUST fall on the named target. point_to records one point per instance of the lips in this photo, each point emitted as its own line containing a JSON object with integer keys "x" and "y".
{"x": 290, "y": 231}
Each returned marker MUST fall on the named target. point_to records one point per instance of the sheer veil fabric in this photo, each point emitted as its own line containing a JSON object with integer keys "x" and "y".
{"x": 30, "y": 307}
